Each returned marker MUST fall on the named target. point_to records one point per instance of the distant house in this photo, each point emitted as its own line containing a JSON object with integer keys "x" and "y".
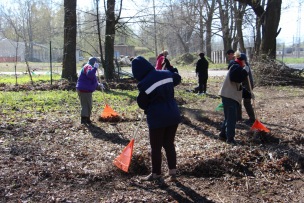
{"x": 124, "y": 50}
{"x": 11, "y": 50}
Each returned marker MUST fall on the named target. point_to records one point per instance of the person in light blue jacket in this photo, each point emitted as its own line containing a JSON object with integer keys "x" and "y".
{"x": 156, "y": 98}
{"x": 86, "y": 85}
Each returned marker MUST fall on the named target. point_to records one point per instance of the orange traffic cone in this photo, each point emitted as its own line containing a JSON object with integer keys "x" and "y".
{"x": 124, "y": 159}
{"x": 258, "y": 126}
{"x": 108, "y": 112}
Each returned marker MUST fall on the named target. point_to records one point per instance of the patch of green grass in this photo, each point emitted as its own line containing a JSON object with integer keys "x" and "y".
{"x": 33, "y": 104}
{"x": 34, "y": 66}
{"x": 291, "y": 60}
{"x": 218, "y": 66}
{"x": 191, "y": 67}
{"x": 23, "y": 79}
{"x": 120, "y": 100}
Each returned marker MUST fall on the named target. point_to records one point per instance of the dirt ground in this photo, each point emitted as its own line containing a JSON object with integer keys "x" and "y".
{"x": 53, "y": 158}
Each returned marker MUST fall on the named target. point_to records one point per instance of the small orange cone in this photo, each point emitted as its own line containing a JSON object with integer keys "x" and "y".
{"x": 124, "y": 159}
{"x": 108, "y": 112}
{"x": 257, "y": 125}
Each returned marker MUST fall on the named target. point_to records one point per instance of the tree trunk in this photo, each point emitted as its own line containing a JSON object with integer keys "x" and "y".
{"x": 109, "y": 40}
{"x": 227, "y": 29}
{"x": 239, "y": 11}
{"x": 183, "y": 43}
{"x": 69, "y": 49}
{"x": 270, "y": 24}
{"x": 258, "y": 39}
{"x": 269, "y": 18}
{"x": 201, "y": 26}
{"x": 209, "y": 20}
{"x": 99, "y": 34}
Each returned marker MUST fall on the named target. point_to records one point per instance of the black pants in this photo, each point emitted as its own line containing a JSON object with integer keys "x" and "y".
{"x": 202, "y": 83}
{"x": 249, "y": 109}
{"x": 162, "y": 137}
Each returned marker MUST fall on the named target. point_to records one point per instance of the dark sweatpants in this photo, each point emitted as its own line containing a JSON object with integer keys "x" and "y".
{"x": 162, "y": 137}
{"x": 202, "y": 83}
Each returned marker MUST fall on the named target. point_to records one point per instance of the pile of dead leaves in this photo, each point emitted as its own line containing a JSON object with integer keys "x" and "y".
{"x": 271, "y": 72}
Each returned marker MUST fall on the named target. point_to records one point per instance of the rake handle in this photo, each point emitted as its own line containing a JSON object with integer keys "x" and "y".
{"x": 141, "y": 119}
{"x": 103, "y": 94}
{"x": 253, "y": 99}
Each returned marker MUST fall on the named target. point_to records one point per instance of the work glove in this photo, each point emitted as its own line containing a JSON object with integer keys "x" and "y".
{"x": 246, "y": 68}
{"x": 96, "y": 65}
{"x": 101, "y": 86}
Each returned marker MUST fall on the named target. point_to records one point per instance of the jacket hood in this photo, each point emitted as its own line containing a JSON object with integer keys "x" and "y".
{"x": 141, "y": 67}
{"x": 92, "y": 60}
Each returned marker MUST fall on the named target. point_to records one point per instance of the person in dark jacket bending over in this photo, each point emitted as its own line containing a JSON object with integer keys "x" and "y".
{"x": 156, "y": 98}
{"x": 202, "y": 73}
{"x": 231, "y": 93}
{"x": 247, "y": 96}
{"x": 86, "y": 85}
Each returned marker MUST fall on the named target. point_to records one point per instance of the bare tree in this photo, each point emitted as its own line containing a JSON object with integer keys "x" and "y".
{"x": 177, "y": 25}
{"x": 269, "y": 18}
{"x": 239, "y": 11}
{"x": 69, "y": 47}
{"x": 18, "y": 25}
{"x": 227, "y": 23}
{"x": 111, "y": 21}
{"x": 210, "y": 9}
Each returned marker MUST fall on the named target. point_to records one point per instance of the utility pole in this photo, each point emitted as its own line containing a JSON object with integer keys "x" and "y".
{"x": 155, "y": 37}
{"x": 298, "y": 38}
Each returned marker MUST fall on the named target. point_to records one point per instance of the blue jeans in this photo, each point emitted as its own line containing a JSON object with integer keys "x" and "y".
{"x": 230, "y": 112}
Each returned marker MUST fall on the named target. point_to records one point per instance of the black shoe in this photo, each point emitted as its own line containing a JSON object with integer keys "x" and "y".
{"x": 222, "y": 136}
{"x": 85, "y": 120}
{"x": 89, "y": 120}
{"x": 231, "y": 142}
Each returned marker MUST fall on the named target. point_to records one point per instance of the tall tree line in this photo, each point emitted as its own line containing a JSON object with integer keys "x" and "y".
{"x": 182, "y": 26}
{"x": 192, "y": 25}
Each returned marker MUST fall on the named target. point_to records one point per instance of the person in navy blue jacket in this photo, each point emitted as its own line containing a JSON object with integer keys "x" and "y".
{"x": 156, "y": 98}
{"x": 86, "y": 85}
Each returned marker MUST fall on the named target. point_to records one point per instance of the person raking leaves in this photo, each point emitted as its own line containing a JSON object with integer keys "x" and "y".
{"x": 86, "y": 84}
{"x": 156, "y": 98}
{"x": 231, "y": 94}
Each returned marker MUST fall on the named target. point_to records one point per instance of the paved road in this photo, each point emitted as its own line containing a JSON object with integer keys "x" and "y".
{"x": 296, "y": 66}
{"x": 184, "y": 73}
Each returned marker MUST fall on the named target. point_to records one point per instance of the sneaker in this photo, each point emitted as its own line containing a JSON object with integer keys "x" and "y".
{"x": 151, "y": 177}
{"x": 199, "y": 94}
